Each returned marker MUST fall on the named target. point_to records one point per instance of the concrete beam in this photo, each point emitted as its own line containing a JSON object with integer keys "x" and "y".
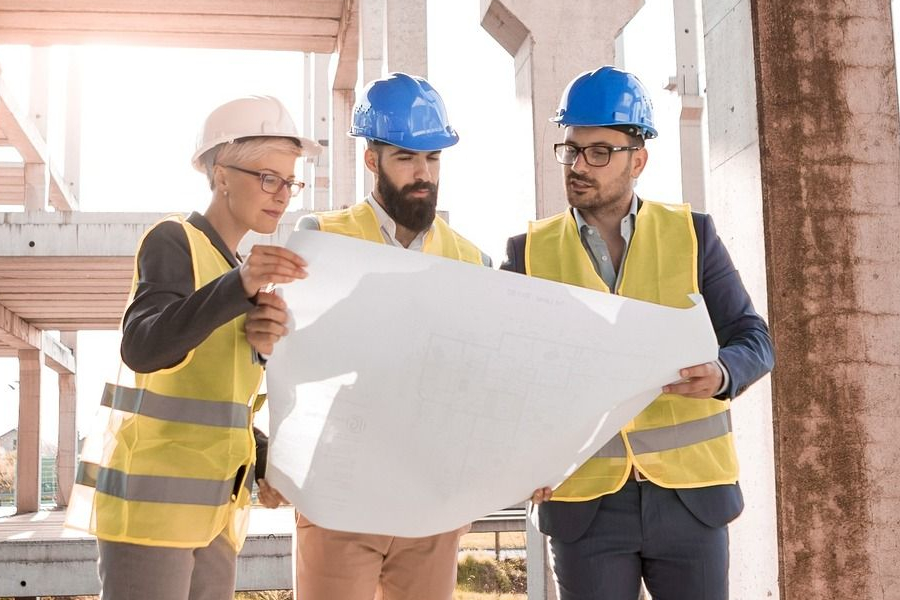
{"x": 68, "y": 566}
{"x": 56, "y": 355}
{"x": 18, "y": 333}
{"x": 537, "y": 34}
{"x": 25, "y": 137}
{"x": 344, "y": 67}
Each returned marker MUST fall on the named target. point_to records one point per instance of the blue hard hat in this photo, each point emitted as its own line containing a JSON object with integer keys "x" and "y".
{"x": 607, "y": 97}
{"x": 405, "y": 111}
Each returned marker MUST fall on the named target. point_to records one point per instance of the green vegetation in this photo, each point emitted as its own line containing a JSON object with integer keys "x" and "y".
{"x": 492, "y": 576}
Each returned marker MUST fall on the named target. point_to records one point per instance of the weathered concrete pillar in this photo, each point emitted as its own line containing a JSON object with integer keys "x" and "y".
{"x": 551, "y": 42}
{"x": 67, "y": 440}
{"x": 28, "y": 449}
{"x": 406, "y": 36}
{"x": 830, "y": 154}
{"x": 735, "y": 202}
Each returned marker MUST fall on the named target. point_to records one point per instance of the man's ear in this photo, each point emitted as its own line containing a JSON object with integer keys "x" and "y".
{"x": 639, "y": 162}
{"x": 370, "y": 158}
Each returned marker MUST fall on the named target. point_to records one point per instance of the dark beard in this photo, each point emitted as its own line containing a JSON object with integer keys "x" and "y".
{"x": 415, "y": 214}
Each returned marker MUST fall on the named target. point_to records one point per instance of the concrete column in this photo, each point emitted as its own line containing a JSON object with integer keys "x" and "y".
{"x": 72, "y": 167}
{"x": 67, "y": 442}
{"x": 28, "y": 470}
{"x": 39, "y": 97}
{"x": 830, "y": 150}
{"x": 318, "y": 130}
{"x": 307, "y": 168}
{"x": 551, "y": 44}
{"x": 343, "y": 78}
{"x": 406, "y": 36}
{"x": 688, "y": 67}
{"x": 372, "y": 65}
{"x": 342, "y": 151}
{"x": 37, "y": 176}
{"x": 37, "y": 186}
{"x": 735, "y": 201}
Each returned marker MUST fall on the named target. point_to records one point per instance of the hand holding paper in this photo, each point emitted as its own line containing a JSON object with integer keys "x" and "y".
{"x": 408, "y": 394}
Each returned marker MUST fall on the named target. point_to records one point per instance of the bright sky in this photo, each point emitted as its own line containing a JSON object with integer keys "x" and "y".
{"x": 142, "y": 108}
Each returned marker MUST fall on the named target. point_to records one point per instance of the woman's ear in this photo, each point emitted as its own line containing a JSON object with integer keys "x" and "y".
{"x": 220, "y": 180}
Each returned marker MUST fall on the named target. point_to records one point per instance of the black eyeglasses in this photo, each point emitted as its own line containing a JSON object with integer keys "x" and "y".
{"x": 596, "y": 156}
{"x": 271, "y": 183}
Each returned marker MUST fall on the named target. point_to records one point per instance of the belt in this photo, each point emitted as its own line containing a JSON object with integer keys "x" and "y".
{"x": 635, "y": 475}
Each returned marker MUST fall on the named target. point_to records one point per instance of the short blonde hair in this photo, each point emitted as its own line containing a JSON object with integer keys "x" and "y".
{"x": 246, "y": 150}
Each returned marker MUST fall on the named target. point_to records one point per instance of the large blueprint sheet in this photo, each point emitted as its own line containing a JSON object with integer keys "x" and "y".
{"x": 415, "y": 393}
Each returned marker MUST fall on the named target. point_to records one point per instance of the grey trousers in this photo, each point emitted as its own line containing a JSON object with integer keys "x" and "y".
{"x": 133, "y": 572}
{"x": 644, "y": 532}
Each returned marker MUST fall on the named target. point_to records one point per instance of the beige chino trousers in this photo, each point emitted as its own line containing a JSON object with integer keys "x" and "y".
{"x": 334, "y": 565}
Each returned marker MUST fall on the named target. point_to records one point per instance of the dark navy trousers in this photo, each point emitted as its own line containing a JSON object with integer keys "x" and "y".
{"x": 643, "y": 531}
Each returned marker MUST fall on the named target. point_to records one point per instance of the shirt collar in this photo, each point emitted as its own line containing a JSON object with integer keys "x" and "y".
{"x": 627, "y": 222}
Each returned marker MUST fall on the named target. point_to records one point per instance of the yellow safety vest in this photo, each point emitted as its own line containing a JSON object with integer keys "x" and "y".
{"x": 360, "y": 221}
{"x": 169, "y": 464}
{"x": 676, "y": 442}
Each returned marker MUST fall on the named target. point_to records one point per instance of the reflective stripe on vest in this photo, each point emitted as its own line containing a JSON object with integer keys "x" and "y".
{"x": 169, "y": 461}
{"x": 675, "y": 441}
{"x": 180, "y": 410}
{"x": 154, "y": 488}
{"x": 671, "y": 437}
{"x": 360, "y": 221}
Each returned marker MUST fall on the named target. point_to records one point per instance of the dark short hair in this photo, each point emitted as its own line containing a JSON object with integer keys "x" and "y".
{"x": 635, "y": 133}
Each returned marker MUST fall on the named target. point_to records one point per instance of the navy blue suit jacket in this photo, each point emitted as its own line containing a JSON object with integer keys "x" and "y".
{"x": 745, "y": 349}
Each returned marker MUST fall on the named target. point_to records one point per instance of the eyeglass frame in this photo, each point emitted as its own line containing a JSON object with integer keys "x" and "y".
{"x": 581, "y": 150}
{"x": 262, "y": 185}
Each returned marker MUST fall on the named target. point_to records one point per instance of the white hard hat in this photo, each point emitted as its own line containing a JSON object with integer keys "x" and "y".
{"x": 252, "y": 116}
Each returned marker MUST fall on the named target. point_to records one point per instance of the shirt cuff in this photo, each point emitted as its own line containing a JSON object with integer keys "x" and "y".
{"x": 726, "y": 378}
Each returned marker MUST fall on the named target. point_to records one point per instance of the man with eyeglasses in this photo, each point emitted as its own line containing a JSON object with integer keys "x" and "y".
{"x": 655, "y": 501}
{"x": 405, "y": 125}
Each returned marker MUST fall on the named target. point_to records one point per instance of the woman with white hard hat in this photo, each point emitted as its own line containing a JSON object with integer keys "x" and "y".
{"x": 165, "y": 481}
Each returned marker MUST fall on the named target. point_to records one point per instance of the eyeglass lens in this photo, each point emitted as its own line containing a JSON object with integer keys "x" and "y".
{"x": 596, "y": 156}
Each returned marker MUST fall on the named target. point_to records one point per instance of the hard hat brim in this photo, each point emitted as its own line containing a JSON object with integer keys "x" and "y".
{"x": 310, "y": 148}
{"x": 429, "y": 143}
